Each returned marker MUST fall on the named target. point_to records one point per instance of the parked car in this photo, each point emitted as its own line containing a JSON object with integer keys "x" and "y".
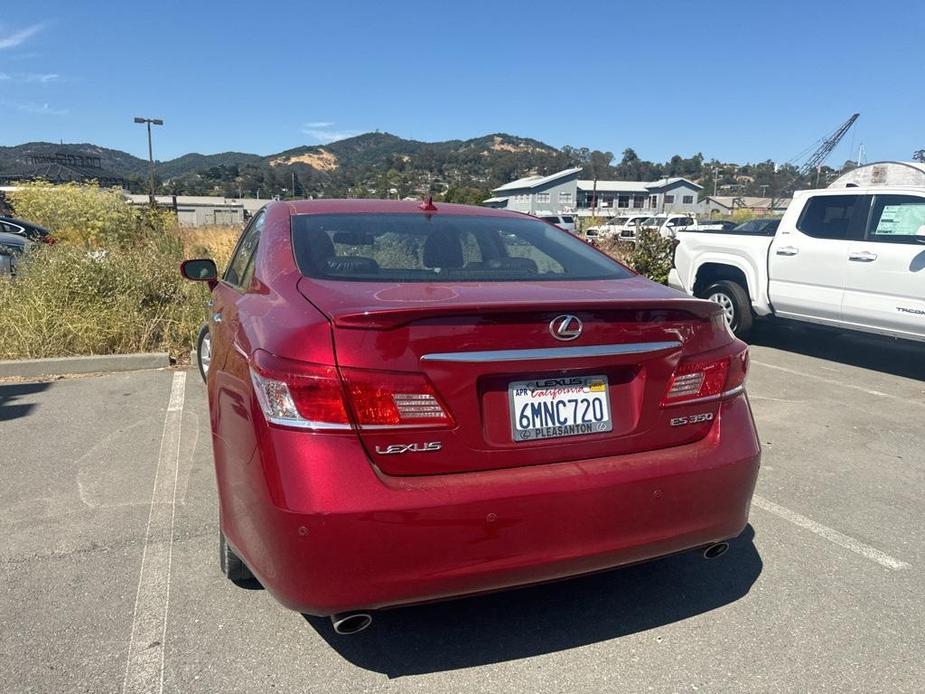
{"x": 668, "y": 224}
{"x": 851, "y": 258}
{"x": 33, "y": 232}
{"x": 563, "y": 221}
{"x": 415, "y": 402}
{"x": 713, "y": 225}
{"x": 623, "y": 227}
{"x": 12, "y": 246}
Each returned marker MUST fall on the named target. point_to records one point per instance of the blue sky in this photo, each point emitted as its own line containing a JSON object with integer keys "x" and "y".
{"x": 739, "y": 81}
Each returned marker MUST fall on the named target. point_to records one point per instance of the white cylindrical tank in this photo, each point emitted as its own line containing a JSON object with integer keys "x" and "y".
{"x": 902, "y": 174}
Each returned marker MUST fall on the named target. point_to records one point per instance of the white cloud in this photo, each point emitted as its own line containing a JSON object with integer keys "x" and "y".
{"x": 30, "y": 77}
{"x": 324, "y": 132}
{"x": 39, "y": 109}
{"x": 42, "y": 78}
{"x": 18, "y": 37}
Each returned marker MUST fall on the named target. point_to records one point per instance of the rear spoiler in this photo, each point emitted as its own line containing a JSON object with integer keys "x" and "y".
{"x": 657, "y": 309}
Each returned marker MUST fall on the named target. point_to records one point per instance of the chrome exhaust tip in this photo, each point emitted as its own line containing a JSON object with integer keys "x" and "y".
{"x": 716, "y": 550}
{"x": 350, "y": 622}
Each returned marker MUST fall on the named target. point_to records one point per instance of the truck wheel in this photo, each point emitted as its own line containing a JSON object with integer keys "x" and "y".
{"x": 734, "y": 301}
{"x": 234, "y": 569}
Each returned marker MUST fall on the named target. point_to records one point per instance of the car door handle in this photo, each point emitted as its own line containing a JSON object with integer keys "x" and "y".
{"x": 217, "y": 317}
{"x": 862, "y": 256}
{"x": 787, "y": 250}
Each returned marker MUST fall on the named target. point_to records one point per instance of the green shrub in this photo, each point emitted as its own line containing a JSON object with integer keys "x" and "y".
{"x": 66, "y": 301}
{"x": 85, "y": 214}
{"x": 652, "y": 255}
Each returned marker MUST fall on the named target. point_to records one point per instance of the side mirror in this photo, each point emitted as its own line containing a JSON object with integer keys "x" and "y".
{"x": 200, "y": 270}
{"x": 920, "y": 234}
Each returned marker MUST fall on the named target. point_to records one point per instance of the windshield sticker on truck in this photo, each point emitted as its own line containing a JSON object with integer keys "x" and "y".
{"x": 902, "y": 219}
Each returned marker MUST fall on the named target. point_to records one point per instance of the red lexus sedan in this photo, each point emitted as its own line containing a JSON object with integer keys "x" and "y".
{"x": 411, "y": 402}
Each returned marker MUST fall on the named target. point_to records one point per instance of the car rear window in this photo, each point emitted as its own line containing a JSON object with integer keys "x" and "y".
{"x": 442, "y": 248}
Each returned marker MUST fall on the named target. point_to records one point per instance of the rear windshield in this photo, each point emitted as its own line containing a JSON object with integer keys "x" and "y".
{"x": 442, "y": 248}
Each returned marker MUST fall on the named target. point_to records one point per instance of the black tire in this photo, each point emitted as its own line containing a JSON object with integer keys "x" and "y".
{"x": 234, "y": 569}
{"x": 733, "y": 298}
{"x": 204, "y": 338}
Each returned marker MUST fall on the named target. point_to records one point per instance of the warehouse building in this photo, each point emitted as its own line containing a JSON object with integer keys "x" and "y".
{"x": 204, "y": 210}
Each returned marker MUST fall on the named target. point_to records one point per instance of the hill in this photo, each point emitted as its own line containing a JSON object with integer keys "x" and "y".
{"x": 381, "y": 164}
{"x": 200, "y": 162}
{"x": 113, "y": 160}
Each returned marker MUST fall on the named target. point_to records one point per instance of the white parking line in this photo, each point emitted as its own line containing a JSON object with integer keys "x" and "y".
{"x": 829, "y": 534}
{"x": 836, "y": 382}
{"x": 144, "y": 668}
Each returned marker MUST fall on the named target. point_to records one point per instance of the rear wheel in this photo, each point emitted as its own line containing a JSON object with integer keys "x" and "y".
{"x": 204, "y": 351}
{"x": 232, "y": 566}
{"x": 734, "y": 301}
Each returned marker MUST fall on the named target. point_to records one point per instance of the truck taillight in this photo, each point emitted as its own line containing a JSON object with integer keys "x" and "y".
{"x": 699, "y": 379}
{"x": 313, "y": 396}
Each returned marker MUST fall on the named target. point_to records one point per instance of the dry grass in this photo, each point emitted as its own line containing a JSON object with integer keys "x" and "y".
{"x": 216, "y": 242}
{"x": 66, "y": 302}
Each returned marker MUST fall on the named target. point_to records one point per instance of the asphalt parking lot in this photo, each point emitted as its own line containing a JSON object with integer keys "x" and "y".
{"x": 110, "y": 579}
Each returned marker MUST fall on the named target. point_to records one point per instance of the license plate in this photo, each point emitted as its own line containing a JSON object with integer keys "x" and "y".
{"x": 549, "y": 408}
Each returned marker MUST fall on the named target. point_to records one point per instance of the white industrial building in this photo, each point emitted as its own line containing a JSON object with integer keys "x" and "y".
{"x": 204, "y": 210}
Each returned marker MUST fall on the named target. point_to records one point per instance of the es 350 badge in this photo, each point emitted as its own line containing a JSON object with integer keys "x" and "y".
{"x": 692, "y": 419}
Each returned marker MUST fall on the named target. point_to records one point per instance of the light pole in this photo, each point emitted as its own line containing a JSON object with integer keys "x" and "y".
{"x": 149, "y": 122}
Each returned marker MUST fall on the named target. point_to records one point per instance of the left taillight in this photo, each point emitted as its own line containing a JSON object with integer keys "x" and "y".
{"x": 316, "y": 396}
{"x": 699, "y": 379}
{"x": 298, "y": 394}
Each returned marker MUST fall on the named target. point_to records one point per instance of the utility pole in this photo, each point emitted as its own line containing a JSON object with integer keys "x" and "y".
{"x": 149, "y": 122}
{"x": 292, "y": 173}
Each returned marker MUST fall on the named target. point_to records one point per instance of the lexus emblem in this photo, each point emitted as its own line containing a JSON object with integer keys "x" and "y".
{"x": 565, "y": 327}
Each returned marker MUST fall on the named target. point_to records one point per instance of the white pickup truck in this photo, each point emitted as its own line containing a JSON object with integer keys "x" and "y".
{"x": 851, "y": 258}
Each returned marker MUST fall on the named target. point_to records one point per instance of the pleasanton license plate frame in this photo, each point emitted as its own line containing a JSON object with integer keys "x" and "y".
{"x": 557, "y": 420}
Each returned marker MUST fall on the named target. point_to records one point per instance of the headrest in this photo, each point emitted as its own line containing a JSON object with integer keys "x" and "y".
{"x": 443, "y": 249}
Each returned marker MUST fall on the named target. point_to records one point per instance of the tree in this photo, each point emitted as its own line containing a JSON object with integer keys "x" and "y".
{"x": 599, "y": 164}
{"x": 919, "y": 155}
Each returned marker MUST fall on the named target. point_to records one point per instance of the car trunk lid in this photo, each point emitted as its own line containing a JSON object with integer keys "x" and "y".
{"x": 478, "y": 344}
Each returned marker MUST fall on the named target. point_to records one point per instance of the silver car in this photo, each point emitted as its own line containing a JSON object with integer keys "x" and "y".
{"x": 12, "y": 246}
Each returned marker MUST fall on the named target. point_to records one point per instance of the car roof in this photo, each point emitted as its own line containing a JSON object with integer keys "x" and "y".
{"x": 375, "y": 206}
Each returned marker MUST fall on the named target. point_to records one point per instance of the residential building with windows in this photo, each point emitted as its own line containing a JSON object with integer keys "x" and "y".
{"x": 564, "y": 192}
{"x": 539, "y": 195}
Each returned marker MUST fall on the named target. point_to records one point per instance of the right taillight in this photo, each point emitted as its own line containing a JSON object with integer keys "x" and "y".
{"x": 700, "y": 379}
{"x": 384, "y": 399}
{"x": 313, "y": 396}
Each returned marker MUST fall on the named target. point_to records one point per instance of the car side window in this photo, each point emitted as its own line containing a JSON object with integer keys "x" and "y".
{"x": 896, "y": 218}
{"x": 240, "y": 268}
{"x": 835, "y": 217}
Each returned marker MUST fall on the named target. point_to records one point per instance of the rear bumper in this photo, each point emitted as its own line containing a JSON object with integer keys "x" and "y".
{"x": 332, "y": 535}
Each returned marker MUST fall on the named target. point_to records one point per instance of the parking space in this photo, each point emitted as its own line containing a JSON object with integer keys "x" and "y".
{"x": 108, "y": 558}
